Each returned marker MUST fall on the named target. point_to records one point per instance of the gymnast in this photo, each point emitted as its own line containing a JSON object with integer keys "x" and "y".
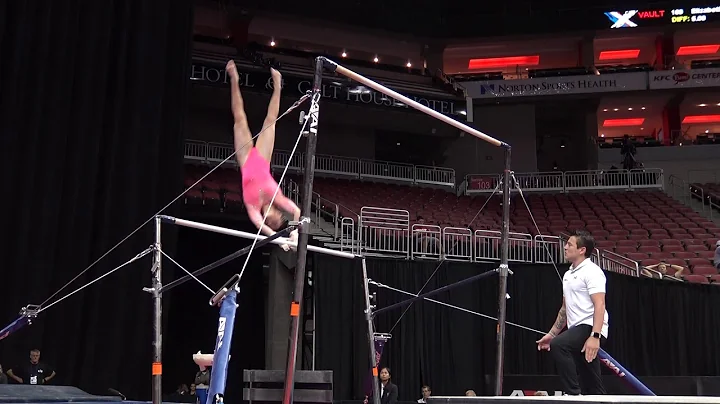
{"x": 258, "y": 184}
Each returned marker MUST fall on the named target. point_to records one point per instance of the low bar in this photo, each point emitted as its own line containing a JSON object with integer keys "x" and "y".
{"x": 250, "y": 236}
{"x": 436, "y": 291}
{"x": 380, "y": 88}
{"x": 222, "y": 261}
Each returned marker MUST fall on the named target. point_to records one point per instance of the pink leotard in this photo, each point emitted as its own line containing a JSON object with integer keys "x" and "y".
{"x": 256, "y": 177}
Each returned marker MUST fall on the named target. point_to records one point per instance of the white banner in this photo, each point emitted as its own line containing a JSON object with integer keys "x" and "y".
{"x": 696, "y": 78}
{"x": 604, "y": 83}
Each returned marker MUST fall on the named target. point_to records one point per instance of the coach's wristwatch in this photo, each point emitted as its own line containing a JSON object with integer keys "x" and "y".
{"x": 595, "y": 335}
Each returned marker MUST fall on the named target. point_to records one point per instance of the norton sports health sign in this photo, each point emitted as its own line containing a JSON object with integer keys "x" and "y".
{"x": 605, "y": 83}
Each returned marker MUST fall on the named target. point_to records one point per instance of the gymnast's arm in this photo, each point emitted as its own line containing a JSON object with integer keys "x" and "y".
{"x": 287, "y": 205}
{"x": 257, "y": 218}
{"x": 560, "y": 321}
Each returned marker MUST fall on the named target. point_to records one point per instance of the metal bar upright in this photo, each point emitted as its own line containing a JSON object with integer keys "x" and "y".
{"x": 304, "y": 230}
{"x": 371, "y": 336}
{"x": 503, "y": 273}
{"x": 157, "y": 314}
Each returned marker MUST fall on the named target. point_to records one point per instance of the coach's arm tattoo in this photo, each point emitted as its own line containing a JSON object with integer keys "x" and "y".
{"x": 560, "y": 321}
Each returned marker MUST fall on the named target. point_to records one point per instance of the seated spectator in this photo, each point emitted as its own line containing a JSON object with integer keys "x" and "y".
{"x": 426, "y": 392}
{"x": 426, "y": 243}
{"x": 470, "y": 393}
{"x": 663, "y": 268}
{"x": 716, "y": 260}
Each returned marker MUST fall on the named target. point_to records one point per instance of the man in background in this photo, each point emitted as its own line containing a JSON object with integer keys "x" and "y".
{"x": 426, "y": 393}
{"x": 33, "y": 372}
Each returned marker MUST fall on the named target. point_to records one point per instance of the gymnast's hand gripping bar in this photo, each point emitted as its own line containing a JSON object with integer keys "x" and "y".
{"x": 333, "y": 66}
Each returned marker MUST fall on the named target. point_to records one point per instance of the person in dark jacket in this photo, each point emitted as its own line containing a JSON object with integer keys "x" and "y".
{"x": 388, "y": 390}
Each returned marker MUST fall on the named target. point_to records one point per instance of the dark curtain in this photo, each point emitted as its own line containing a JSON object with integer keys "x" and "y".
{"x": 657, "y": 328}
{"x": 93, "y": 97}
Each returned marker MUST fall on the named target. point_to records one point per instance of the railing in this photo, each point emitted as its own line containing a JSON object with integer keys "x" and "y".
{"x": 384, "y": 231}
{"x": 332, "y": 166}
{"x": 426, "y": 242}
{"x": 548, "y": 249}
{"x": 354, "y": 168}
{"x": 457, "y": 244}
{"x": 613, "y": 262}
{"x": 679, "y": 189}
{"x": 347, "y": 236}
{"x": 326, "y": 210}
{"x": 650, "y": 178}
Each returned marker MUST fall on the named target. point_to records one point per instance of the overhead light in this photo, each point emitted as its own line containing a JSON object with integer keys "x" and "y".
{"x": 562, "y": 144}
{"x": 615, "y": 109}
{"x": 605, "y": 109}
{"x": 707, "y": 130}
{"x": 642, "y": 128}
{"x": 697, "y": 50}
{"x": 619, "y": 54}
{"x": 644, "y": 107}
{"x": 489, "y": 63}
{"x": 701, "y": 119}
{"x": 376, "y": 59}
{"x": 398, "y": 144}
{"x": 344, "y": 54}
{"x": 623, "y": 122}
{"x": 272, "y": 42}
{"x": 602, "y": 135}
{"x": 718, "y": 104}
{"x": 630, "y": 109}
{"x": 408, "y": 64}
{"x": 462, "y": 112}
{"x": 702, "y": 105}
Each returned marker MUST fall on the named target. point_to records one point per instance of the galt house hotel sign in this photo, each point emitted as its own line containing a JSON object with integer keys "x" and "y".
{"x": 333, "y": 89}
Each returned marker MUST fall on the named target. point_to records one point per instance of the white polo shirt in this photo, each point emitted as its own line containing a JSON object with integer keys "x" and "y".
{"x": 578, "y": 284}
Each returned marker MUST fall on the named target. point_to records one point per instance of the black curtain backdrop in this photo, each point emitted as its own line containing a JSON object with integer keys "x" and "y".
{"x": 657, "y": 328}
{"x": 93, "y": 98}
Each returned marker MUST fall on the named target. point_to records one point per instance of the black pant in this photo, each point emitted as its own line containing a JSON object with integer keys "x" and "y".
{"x": 566, "y": 350}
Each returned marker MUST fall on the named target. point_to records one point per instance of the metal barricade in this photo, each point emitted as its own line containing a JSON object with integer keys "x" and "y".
{"x": 281, "y": 158}
{"x": 520, "y": 247}
{"x": 613, "y": 262}
{"x": 435, "y": 175}
{"x": 386, "y": 170}
{"x": 487, "y": 245}
{"x": 583, "y": 180}
{"x": 548, "y": 249}
{"x": 196, "y": 150}
{"x": 544, "y": 181}
{"x": 384, "y": 231}
{"x": 647, "y": 178}
{"x": 217, "y": 152}
{"x": 347, "y": 167}
{"x": 457, "y": 243}
{"x": 426, "y": 242}
{"x": 347, "y": 236}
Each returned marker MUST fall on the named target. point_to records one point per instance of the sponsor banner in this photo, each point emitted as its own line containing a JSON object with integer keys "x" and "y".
{"x": 695, "y": 78}
{"x": 334, "y": 89}
{"x": 604, "y": 83}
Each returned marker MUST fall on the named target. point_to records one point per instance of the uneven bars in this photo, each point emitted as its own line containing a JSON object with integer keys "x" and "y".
{"x": 250, "y": 236}
{"x": 379, "y": 87}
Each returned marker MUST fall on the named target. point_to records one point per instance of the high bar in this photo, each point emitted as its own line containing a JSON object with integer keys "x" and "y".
{"x": 379, "y": 87}
{"x": 250, "y": 236}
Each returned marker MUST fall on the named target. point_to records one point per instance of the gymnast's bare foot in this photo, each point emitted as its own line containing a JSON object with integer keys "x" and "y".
{"x": 277, "y": 78}
{"x": 231, "y": 69}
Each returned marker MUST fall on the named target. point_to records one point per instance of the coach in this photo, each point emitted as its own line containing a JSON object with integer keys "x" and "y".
{"x": 583, "y": 311}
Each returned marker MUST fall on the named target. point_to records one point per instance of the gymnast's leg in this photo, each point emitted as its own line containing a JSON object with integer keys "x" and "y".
{"x": 266, "y": 140}
{"x": 241, "y": 130}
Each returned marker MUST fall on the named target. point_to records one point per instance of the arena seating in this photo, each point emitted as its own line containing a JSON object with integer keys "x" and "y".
{"x": 646, "y": 226}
